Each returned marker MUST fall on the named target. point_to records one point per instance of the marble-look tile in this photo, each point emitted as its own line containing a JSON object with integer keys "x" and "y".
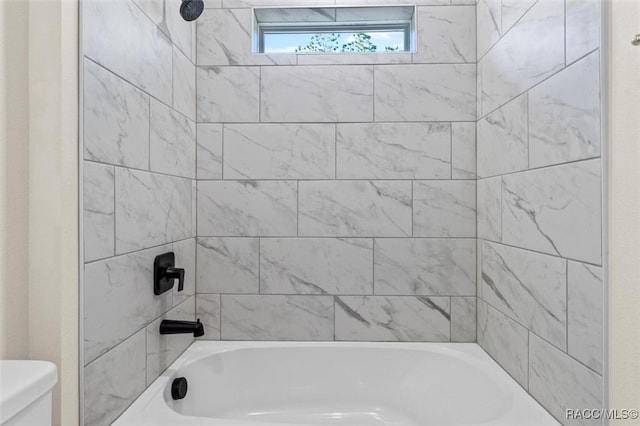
{"x": 444, "y": 208}
{"x": 185, "y": 252}
{"x": 225, "y": 38}
{"x": 228, "y": 265}
{"x": 490, "y": 208}
{"x": 585, "y": 317}
{"x": 247, "y": 208}
{"x": 559, "y": 382}
{"x": 463, "y": 150}
{"x": 231, "y": 4}
{"x": 184, "y": 85}
{"x": 98, "y": 211}
{"x": 114, "y": 381}
{"x": 173, "y": 142}
{"x": 393, "y": 318}
{"x": 564, "y": 115}
{"x": 117, "y": 31}
{"x": 391, "y": 2}
{"x": 432, "y": 92}
{"x": 320, "y": 94}
{"x": 164, "y": 14}
{"x": 353, "y": 58}
{"x": 555, "y": 210}
{"x": 208, "y": 312}
{"x": 527, "y": 54}
{"x": 316, "y": 266}
{"x": 393, "y": 151}
{"x": 116, "y": 119}
{"x": 355, "y": 208}
{"x": 209, "y": 151}
{"x": 529, "y": 287}
{"x": 463, "y": 319}
{"x": 162, "y": 350}
{"x": 512, "y": 11}
{"x": 151, "y": 209}
{"x": 503, "y": 140}
{"x": 194, "y": 207}
{"x": 583, "y": 27}
{"x": 228, "y": 94}
{"x": 272, "y": 317}
{"x": 440, "y": 267}
{"x": 119, "y": 299}
{"x": 489, "y": 16}
{"x": 446, "y": 34}
{"x": 505, "y": 340}
{"x": 279, "y": 151}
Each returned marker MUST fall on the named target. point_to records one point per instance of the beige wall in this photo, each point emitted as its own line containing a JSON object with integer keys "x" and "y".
{"x": 14, "y": 173}
{"x": 39, "y": 190}
{"x": 624, "y": 208}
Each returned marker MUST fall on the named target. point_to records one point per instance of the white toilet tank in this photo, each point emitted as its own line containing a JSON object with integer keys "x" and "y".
{"x": 25, "y": 392}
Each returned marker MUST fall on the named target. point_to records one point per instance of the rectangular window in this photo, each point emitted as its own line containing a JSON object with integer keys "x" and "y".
{"x": 334, "y": 29}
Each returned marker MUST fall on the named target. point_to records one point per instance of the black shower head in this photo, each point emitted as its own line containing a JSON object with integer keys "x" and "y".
{"x": 190, "y": 10}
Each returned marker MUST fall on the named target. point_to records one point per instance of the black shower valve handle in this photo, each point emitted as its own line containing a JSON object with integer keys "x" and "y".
{"x": 175, "y": 273}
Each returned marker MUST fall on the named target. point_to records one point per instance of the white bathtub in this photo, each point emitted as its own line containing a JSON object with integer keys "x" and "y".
{"x": 355, "y": 384}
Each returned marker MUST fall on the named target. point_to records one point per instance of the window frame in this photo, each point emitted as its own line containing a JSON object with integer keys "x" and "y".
{"x": 408, "y": 27}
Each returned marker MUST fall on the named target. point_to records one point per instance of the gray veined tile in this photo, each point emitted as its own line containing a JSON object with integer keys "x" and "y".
{"x": 119, "y": 299}
{"x": 173, "y": 142}
{"x": 208, "y": 312}
{"x": 444, "y": 208}
{"x": 529, "y": 287}
{"x": 247, "y": 208}
{"x": 98, "y": 211}
{"x": 228, "y": 265}
{"x": 505, "y": 340}
{"x": 583, "y": 27}
{"x": 585, "y": 304}
{"x": 559, "y": 382}
{"x": 489, "y": 199}
{"x": 489, "y": 22}
{"x": 463, "y": 319}
{"x": 182, "y": 33}
{"x": 555, "y": 210}
{"x": 185, "y": 253}
{"x": 527, "y": 54}
{"x": 228, "y": 94}
{"x": 393, "y": 151}
{"x": 564, "y": 115}
{"x": 316, "y": 266}
{"x": 116, "y": 31}
{"x": 446, "y": 35}
{"x": 184, "y": 85}
{"x": 463, "y": 150}
{"x": 512, "y": 11}
{"x": 440, "y": 267}
{"x": 273, "y": 317}
{"x": 430, "y": 92}
{"x": 162, "y": 350}
{"x": 114, "y": 381}
{"x": 503, "y": 141}
{"x": 393, "y": 318}
{"x": 151, "y": 209}
{"x": 368, "y": 58}
{"x": 224, "y": 37}
{"x": 279, "y": 151}
{"x": 355, "y": 208}
{"x": 116, "y": 119}
{"x": 209, "y": 151}
{"x": 320, "y": 94}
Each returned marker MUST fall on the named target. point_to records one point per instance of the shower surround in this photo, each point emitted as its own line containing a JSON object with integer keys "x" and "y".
{"x": 333, "y": 197}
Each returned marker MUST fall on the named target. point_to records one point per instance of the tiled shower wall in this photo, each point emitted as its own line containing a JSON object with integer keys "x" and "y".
{"x": 139, "y": 193}
{"x": 336, "y": 193}
{"x": 540, "y": 307}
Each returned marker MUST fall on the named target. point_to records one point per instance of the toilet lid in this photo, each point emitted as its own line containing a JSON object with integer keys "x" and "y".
{"x": 23, "y": 382}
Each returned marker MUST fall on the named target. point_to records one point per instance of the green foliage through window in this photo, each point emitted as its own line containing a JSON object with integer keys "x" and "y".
{"x": 331, "y": 42}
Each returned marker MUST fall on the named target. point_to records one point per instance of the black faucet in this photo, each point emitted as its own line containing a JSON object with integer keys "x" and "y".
{"x": 182, "y": 327}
